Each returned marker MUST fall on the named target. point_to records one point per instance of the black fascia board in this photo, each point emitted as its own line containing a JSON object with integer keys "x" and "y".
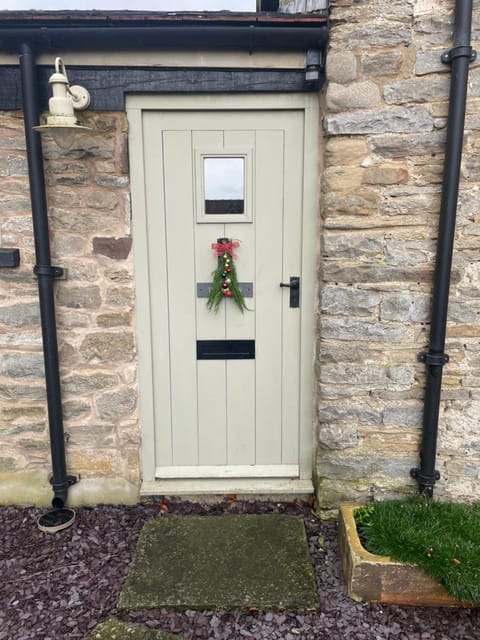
{"x": 88, "y": 31}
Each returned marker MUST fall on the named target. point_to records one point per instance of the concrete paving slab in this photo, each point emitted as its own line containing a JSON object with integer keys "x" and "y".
{"x": 221, "y": 562}
{"x": 117, "y": 630}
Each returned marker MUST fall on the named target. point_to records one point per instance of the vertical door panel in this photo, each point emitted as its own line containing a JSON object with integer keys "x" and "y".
{"x": 181, "y": 294}
{"x": 158, "y": 287}
{"x": 292, "y": 232}
{"x": 269, "y": 259}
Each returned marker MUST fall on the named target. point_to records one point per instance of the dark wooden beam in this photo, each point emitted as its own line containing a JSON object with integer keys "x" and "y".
{"x": 109, "y": 85}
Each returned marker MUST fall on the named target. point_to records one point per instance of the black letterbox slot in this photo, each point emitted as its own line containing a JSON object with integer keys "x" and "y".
{"x": 225, "y": 349}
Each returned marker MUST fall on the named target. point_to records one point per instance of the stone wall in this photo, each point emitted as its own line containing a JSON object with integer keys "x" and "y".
{"x": 386, "y": 106}
{"x": 89, "y": 214}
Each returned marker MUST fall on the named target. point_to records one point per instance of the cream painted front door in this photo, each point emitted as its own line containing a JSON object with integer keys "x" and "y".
{"x": 226, "y": 397}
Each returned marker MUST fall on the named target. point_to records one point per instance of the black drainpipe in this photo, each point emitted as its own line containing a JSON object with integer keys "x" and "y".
{"x": 459, "y": 57}
{"x": 45, "y": 273}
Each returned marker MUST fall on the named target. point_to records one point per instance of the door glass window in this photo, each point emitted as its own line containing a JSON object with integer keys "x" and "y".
{"x": 224, "y": 185}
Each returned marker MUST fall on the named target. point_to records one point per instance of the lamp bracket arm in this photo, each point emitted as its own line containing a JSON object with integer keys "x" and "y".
{"x": 80, "y": 97}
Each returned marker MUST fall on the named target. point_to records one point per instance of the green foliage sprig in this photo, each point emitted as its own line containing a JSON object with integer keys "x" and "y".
{"x": 225, "y": 281}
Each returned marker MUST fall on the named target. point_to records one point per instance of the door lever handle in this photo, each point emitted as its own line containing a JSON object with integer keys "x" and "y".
{"x": 294, "y": 286}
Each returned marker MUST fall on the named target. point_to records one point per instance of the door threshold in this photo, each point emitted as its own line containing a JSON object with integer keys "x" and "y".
{"x": 240, "y": 487}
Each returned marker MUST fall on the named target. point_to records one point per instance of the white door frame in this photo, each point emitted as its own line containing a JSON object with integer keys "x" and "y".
{"x": 308, "y": 103}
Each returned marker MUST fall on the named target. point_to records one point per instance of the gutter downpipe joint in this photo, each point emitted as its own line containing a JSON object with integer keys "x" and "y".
{"x": 459, "y": 57}
{"x": 45, "y": 273}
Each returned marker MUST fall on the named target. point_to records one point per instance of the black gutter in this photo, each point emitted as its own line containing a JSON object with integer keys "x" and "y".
{"x": 45, "y": 273}
{"x": 248, "y": 37}
{"x": 459, "y": 57}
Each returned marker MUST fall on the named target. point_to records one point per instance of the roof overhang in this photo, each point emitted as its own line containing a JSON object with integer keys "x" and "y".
{"x": 53, "y": 31}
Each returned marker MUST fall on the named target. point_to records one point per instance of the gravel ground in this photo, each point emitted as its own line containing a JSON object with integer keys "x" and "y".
{"x": 59, "y": 586}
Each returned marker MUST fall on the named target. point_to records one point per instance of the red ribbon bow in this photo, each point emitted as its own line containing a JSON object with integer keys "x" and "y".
{"x": 226, "y": 247}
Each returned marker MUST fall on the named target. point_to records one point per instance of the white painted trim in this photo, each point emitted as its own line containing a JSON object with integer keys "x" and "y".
{"x": 220, "y": 101}
{"x": 211, "y": 152}
{"x": 142, "y": 284}
{"x": 310, "y": 249}
{"x": 227, "y": 486}
{"x": 230, "y": 471}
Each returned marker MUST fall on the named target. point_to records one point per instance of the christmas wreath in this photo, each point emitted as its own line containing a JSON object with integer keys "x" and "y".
{"x": 225, "y": 283}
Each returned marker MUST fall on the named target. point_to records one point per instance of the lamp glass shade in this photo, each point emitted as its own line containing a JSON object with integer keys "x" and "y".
{"x": 63, "y": 136}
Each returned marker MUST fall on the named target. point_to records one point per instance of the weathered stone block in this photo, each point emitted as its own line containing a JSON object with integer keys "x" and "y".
{"x": 359, "y": 95}
{"x": 108, "y": 346}
{"x": 348, "y": 414}
{"x": 345, "y": 151}
{"x": 393, "y": 145}
{"x": 357, "y": 201}
{"x": 390, "y": 120}
{"x": 109, "y": 320}
{"x": 429, "y": 61}
{"x": 86, "y": 383}
{"x": 405, "y": 308}
{"x": 22, "y": 314}
{"x": 376, "y": 34}
{"x": 385, "y": 174}
{"x": 349, "y": 301}
{"x": 337, "y": 437}
{"x": 417, "y": 90}
{"x": 90, "y": 435}
{"x": 403, "y": 416}
{"x": 115, "y": 248}
{"x": 342, "y": 178}
{"x": 88, "y": 297}
{"x": 75, "y": 408}
{"x": 112, "y": 181}
{"x": 116, "y": 403}
{"x": 23, "y": 392}
{"x": 341, "y": 67}
{"x": 334, "y": 272}
{"x": 386, "y": 63}
{"x": 362, "y": 330}
{"x": 352, "y": 245}
{"x": 120, "y": 296}
{"x": 22, "y": 365}
{"x": 68, "y": 245}
{"x": 371, "y": 376}
{"x": 7, "y": 464}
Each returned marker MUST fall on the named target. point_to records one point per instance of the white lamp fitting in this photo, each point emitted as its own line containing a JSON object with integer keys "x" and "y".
{"x": 61, "y": 121}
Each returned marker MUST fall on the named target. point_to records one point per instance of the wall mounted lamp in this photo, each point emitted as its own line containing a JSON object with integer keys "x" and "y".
{"x": 61, "y": 121}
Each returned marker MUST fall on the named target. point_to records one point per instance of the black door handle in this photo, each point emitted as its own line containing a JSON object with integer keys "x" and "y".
{"x": 294, "y": 286}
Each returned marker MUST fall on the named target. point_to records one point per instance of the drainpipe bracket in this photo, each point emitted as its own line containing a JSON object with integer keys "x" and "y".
{"x": 462, "y": 51}
{"x": 48, "y": 270}
{"x": 423, "y": 479}
{"x": 435, "y": 359}
{"x": 71, "y": 479}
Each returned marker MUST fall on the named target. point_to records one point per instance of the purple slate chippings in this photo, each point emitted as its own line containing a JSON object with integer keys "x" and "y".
{"x": 60, "y": 586}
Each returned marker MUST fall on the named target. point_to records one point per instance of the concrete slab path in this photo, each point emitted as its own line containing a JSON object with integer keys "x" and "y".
{"x": 117, "y": 630}
{"x": 221, "y": 562}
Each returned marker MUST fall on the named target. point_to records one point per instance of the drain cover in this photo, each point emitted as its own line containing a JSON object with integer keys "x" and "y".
{"x": 56, "y": 520}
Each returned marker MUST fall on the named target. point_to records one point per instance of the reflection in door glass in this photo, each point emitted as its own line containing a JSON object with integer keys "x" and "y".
{"x": 224, "y": 180}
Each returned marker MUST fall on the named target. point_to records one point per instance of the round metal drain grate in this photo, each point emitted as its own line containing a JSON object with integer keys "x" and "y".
{"x": 56, "y": 520}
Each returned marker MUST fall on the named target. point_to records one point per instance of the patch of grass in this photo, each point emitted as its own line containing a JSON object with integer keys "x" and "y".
{"x": 440, "y": 537}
